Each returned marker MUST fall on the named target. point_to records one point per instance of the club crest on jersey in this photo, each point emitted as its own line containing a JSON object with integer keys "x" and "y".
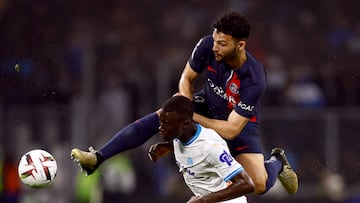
{"x": 234, "y": 88}
{"x": 226, "y": 158}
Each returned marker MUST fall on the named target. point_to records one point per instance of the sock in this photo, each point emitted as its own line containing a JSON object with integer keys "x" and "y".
{"x": 273, "y": 167}
{"x": 133, "y": 135}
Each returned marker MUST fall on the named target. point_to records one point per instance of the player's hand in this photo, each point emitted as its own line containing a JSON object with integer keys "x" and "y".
{"x": 159, "y": 150}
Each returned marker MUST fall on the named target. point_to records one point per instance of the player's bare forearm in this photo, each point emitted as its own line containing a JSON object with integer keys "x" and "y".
{"x": 185, "y": 88}
{"x": 218, "y": 125}
{"x": 186, "y": 81}
{"x": 240, "y": 185}
{"x": 228, "y": 129}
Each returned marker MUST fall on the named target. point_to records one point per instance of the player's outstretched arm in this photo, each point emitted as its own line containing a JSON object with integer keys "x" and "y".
{"x": 228, "y": 129}
{"x": 240, "y": 185}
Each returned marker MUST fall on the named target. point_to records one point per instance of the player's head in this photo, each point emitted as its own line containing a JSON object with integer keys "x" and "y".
{"x": 230, "y": 34}
{"x": 176, "y": 117}
{"x": 233, "y": 24}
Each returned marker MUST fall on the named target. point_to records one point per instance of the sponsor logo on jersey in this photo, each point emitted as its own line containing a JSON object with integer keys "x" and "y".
{"x": 234, "y": 88}
{"x": 218, "y": 90}
{"x": 226, "y": 158}
{"x": 245, "y": 106}
{"x": 199, "y": 99}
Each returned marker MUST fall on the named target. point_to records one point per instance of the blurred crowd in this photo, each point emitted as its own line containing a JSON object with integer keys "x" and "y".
{"x": 86, "y": 68}
{"x": 311, "y": 47}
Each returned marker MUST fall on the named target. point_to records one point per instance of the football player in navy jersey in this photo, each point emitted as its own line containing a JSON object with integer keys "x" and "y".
{"x": 230, "y": 100}
{"x": 229, "y": 104}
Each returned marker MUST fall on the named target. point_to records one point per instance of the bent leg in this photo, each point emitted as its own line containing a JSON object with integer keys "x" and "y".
{"x": 253, "y": 164}
{"x": 263, "y": 174}
{"x": 247, "y": 150}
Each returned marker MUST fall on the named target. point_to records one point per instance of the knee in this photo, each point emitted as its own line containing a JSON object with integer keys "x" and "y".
{"x": 260, "y": 185}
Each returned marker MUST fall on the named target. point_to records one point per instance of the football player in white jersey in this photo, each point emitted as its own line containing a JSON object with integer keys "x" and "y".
{"x": 203, "y": 157}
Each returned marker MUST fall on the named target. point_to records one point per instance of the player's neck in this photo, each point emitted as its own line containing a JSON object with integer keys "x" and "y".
{"x": 188, "y": 134}
{"x": 238, "y": 61}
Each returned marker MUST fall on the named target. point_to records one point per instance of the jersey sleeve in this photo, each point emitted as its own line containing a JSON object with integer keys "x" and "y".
{"x": 252, "y": 88}
{"x": 250, "y": 99}
{"x": 201, "y": 53}
{"x": 220, "y": 158}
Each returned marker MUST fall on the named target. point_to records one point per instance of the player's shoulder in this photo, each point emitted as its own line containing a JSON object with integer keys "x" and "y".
{"x": 253, "y": 61}
{"x": 206, "y": 42}
{"x": 208, "y": 38}
{"x": 210, "y": 135}
{"x": 206, "y": 131}
{"x": 254, "y": 69}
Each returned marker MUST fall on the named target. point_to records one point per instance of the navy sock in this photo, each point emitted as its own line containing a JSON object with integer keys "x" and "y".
{"x": 133, "y": 135}
{"x": 273, "y": 168}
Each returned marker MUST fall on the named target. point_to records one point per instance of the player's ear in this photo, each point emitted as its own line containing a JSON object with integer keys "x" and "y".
{"x": 241, "y": 45}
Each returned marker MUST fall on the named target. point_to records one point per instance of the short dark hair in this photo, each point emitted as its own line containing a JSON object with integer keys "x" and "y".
{"x": 181, "y": 105}
{"x": 233, "y": 24}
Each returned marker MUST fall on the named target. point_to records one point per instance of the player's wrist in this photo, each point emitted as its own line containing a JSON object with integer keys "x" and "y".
{"x": 205, "y": 199}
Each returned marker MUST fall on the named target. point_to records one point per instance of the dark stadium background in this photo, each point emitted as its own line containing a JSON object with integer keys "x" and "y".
{"x": 88, "y": 67}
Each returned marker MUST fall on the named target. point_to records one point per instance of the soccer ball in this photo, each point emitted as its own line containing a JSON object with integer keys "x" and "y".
{"x": 37, "y": 168}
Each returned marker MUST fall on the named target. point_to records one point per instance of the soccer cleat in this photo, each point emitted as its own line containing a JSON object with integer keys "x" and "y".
{"x": 86, "y": 160}
{"x": 287, "y": 176}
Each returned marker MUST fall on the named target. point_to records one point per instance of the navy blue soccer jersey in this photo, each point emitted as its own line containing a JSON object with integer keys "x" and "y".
{"x": 227, "y": 89}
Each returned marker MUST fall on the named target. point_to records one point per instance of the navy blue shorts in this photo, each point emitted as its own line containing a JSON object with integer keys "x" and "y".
{"x": 246, "y": 142}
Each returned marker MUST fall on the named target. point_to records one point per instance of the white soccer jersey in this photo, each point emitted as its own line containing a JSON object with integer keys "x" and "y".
{"x": 205, "y": 162}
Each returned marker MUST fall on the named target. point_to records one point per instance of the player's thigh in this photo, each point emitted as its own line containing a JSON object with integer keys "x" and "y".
{"x": 253, "y": 163}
